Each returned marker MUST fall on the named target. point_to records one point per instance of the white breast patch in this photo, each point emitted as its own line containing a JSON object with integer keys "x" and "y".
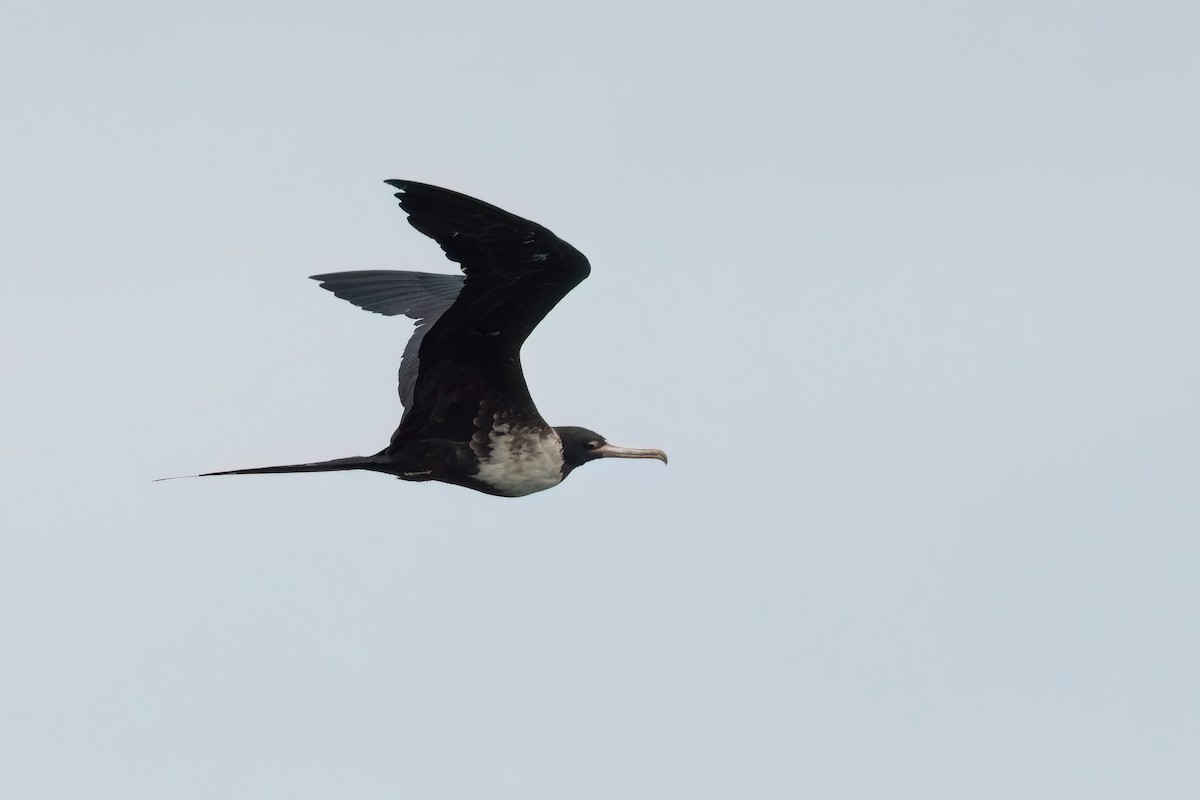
{"x": 521, "y": 460}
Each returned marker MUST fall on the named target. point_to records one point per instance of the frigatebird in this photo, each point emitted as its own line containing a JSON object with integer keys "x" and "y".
{"x": 468, "y": 417}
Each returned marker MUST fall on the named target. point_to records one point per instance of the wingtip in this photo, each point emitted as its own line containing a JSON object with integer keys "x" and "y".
{"x": 401, "y": 185}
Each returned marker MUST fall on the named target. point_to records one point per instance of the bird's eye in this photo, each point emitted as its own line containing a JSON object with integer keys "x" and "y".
{"x": 592, "y": 445}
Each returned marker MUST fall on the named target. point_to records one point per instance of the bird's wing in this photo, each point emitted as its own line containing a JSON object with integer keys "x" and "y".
{"x": 416, "y": 295}
{"x": 516, "y": 272}
{"x": 421, "y": 296}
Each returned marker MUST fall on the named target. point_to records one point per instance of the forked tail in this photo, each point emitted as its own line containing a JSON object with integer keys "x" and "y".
{"x": 353, "y": 462}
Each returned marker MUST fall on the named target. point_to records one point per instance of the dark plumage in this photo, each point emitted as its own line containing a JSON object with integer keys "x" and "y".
{"x": 469, "y": 419}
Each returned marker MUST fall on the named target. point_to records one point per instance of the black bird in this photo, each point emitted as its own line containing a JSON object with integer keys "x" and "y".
{"x": 468, "y": 418}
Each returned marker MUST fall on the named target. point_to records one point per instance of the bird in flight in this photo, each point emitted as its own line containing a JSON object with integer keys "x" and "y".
{"x": 468, "y": 417}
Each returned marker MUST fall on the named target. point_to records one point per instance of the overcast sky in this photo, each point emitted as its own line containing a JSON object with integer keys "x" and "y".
{"x": 908, "y": 291}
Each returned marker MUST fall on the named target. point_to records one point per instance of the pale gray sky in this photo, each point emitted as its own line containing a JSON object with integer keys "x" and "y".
{"x": 907, "y": 291}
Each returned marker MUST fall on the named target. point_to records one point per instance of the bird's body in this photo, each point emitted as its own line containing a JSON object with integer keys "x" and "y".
{"x": 469, "y": 419}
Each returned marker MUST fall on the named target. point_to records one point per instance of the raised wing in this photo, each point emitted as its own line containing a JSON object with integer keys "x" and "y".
{"x": 421, "y": 296}
{"x": 516, "y": 272}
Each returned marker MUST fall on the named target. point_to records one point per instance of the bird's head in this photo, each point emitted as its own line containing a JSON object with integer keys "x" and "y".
{"x": 581, "y": 446}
